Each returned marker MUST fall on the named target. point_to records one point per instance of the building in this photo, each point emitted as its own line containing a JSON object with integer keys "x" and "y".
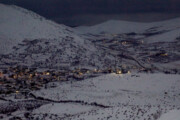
{"x": 1, "y": 74}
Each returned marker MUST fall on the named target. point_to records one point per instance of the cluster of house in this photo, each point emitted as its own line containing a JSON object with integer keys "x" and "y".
{"x": 20, "y": 78}
{"x": 24, "y": 79}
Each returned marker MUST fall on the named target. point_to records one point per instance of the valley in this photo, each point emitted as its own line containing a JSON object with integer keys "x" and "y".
{"x": 116, "y": 70}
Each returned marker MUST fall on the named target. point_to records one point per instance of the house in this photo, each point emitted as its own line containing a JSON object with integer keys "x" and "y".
{"x": 1, "y": 74}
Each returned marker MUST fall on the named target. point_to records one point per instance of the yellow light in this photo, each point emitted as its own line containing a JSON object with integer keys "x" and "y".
{"x": 14, "y": 76}
{"x": 80, "y": 73}
{"x": 17, "y": 91}
{"x": 1, "y": 74}
{"x": 119, "y": 72}
{"x": 164, "y": 54}
{"x": 47, "y": 73}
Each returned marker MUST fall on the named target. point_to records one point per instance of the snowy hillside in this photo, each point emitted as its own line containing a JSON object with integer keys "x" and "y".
{"x": 113, "y": 97}
{"x": 29, "y": 39}
{"x": 169, "y": 36}
{"x": 172, "y": 115}
{"x": 118, "y": 26}
{"x": 114, "y": 26}
{"x": 128, "y": 97}
{"x": 18, "y": 24}
{"x": 151, "y": 44}
{"x": 163, "y": 31}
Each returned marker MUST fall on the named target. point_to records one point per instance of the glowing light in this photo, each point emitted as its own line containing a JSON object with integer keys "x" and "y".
{"x": 14, "y": 76}
{"x": 47, "y": 73}
{"x": 124, "y": 43}
{"x": 118, "y": 72}
{"x": 80, "y": 73}
{"x": 1, "y": 74}
{"x": 164, "y": 54}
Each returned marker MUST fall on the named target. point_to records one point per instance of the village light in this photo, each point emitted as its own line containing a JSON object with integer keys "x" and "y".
{"x": 14, "y": 76}
{"x": 36, "y": 74}
{"x": 47, "y": 73}
{"x": 80, "y": 73}
{"x": 118, "y": 72}
{"x": 124, "y": 43}
{"x": 1, "y": 74}
{"x": 164, "y": 54}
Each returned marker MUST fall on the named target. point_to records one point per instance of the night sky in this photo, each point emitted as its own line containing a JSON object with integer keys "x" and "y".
{"x": 86, "y": 12}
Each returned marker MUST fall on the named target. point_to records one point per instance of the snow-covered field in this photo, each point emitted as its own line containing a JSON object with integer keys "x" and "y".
{"x": 135, "y": 96}
{"x": 172, "y": 115}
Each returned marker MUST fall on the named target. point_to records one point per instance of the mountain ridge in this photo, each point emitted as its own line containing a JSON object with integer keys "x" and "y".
{"x": 35, "y": 41}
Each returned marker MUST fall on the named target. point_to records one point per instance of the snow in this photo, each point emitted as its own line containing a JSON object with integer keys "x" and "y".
{"x": 172, "y": 115}
{"x": 169, "y": 29}
{"x": 136, "y": 96}
{"x": 114, "y": 26}
{"x": 60, "y": 108}
{"x": 164, "y": 37}
{"x": 127, "y": 94}
{"x": 119, "y": 26}
{"x": 147, "y": 85}
{"x": 18, "y": 24}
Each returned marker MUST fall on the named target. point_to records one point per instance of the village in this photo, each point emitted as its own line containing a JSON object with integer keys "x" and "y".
{"x": 134, "y": 46}
{"x": 22, "y": 80}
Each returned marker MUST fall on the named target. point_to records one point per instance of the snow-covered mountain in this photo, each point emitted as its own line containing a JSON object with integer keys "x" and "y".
{"x": 168, "y": 28}
{"x": 143, "y": 42}
{"x": 118, "y": 26}
{"x": 18, "y": 24}
{"x": 30, "y": 39}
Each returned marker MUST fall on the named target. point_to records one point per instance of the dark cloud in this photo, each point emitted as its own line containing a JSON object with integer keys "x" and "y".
{"x": 55, "y": 9}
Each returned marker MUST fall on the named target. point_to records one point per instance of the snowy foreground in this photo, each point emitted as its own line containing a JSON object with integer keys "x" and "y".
{"x": 138, "y": 96}
{"x": 110, "y": 97}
